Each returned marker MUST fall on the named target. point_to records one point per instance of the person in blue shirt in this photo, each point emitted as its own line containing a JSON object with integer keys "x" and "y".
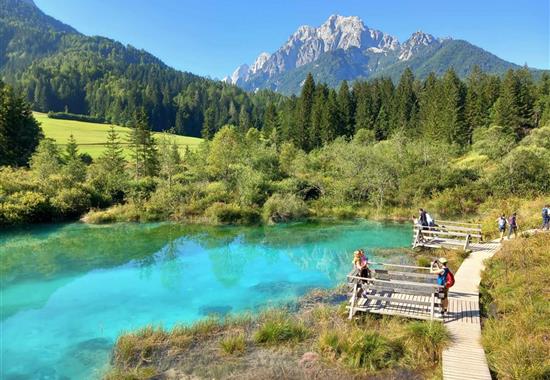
{"x": 439, "y": 266}
{"x": 545, "y": 218}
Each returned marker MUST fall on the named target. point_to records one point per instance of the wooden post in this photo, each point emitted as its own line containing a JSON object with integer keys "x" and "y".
{"x": 416, "y": 237}
{"x": 353, "y": 298}
{"x": 432, "y": 301}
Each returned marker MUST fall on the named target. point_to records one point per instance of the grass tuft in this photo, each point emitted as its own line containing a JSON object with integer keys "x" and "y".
{"x": 280, "y": 327}
{"x": 233, "y": 344}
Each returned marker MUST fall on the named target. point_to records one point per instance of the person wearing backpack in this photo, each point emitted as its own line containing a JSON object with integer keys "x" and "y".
{"x": 545, "y": 218}
{"x": 502, "y": 226}
{"x": 513, "y": 226}
{"x": 445, "y": 278}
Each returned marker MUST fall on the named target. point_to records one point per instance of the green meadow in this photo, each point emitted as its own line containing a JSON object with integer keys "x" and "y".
{"x": 91, "y": 137}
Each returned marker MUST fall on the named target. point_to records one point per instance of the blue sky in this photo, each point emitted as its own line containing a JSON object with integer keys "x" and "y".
{"x": 211, "y": 38}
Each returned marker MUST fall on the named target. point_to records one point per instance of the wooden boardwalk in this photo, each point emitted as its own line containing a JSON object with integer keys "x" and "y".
{"x": 465, "y": 358}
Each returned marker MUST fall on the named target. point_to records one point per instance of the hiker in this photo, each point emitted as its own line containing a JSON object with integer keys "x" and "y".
{"x": 430, "y": 220}
{"x": 545, "y": 218}
{"x": 439, "y": 266}
{"x": 361, "y": 264}
{"x": 502, "y": 226}
{"x": 422, "y": 219}
{"x": 512, "y": 222}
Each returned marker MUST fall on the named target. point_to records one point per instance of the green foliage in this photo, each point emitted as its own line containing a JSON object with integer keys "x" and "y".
{"x": 77, "y": 117}
{"x": 221, "y": 213}
{"x": 282, "y": 208}
{"x": 428, "y": 340}
{"x": 19, "y": 131}
{"x": 280, "y": 328}
{"x": 495, "y": 142}
{"x": 23, "y": 206}
{"x": 512, "y": 292}
{"x": 233, "y": 344}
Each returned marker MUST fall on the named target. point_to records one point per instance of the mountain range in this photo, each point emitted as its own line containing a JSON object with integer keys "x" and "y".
{"x": 344, "y": 48}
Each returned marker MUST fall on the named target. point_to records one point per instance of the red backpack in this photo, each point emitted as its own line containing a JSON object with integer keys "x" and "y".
{"x": 450, "y": 279}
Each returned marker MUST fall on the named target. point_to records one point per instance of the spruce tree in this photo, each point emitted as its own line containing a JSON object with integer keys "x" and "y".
{"x": 406, "y": 103}
{"x": 209, "y": 127}
{"x": 270, "y": 121}
{"x": 330, "y": 120}
{"x": 20, "y": 133}
{"x": 345, "y": 109}
{"x": 305, "y": 106}
{"x": 244, "y": 120}
{"x": 143, "y": 147}
{"x": 452, "y": 111}
{"x": 506, "y": 112}
{"x": 71, "y": 150}
{"x": 318, "y": 110}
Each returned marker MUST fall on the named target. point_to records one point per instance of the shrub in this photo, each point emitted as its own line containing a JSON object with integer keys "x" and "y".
{"x": 23, "y": 207}
{"x": 494, "y": 142}
{"x": 233, "y": 344}
{"x": 221, "y": 213}
{"x": 279, "y": 208}
{"x": 74, "y": 116}
{"x": 71, "y": 202}
{"x": 280, "y": 328}
{"x": 360, "y": 349}
{"x": 425, "y": 340}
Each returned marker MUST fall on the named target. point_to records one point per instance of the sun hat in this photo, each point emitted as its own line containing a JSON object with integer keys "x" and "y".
{"x": 442, "y": 260}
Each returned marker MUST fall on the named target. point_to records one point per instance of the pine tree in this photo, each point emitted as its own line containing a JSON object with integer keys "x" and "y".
{"x": 317, "y": 115}
{"x": 345, "y": 109}
{"x": 452, "y": 115}
{"x": 506, "y": 112}
{"x": 406, "y": 103}
{"x": 305, "y": 106}
{"x": 71, "y": 150}
{"x": 271, "y": 121}
{"x": 363, "y": 107}
{"x": 430, "y": 108}
{"x": 20, "y": 133}
{"x": 244, "y": 120}
{"x": 143, "y": 147}
{"x": 330, "y": 121}
{"x": 208, "y": 127}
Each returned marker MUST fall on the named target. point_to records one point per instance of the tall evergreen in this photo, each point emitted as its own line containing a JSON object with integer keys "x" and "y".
{"x": 506, "y": 112}
{"x": 318, "y": 112}
{"x": 209, "y": 124}
{"x": 244, "y": 120}
{"x": 363, "y": 106}
{"x": 303, "y": 117}
{"x": 452, "y": 112}
{"x": 406, "y": 105}
{"x": 271, "y": 121}
{"x": 19, "y": 131}
{"x": 330, "y": 118}
{"x": 143, "y": 148}
{"x": 346, "y": 109}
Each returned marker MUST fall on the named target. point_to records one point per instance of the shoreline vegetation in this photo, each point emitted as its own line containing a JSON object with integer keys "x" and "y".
{"x": 307, "y": 339}
{"x": 515, "y": 309}
{"x": 312, "y": 339}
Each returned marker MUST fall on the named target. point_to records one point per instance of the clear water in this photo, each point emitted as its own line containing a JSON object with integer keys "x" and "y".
{"x": 67, "y": 291}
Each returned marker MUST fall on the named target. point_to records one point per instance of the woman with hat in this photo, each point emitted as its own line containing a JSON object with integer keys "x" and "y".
{"x": 439, "y": 266}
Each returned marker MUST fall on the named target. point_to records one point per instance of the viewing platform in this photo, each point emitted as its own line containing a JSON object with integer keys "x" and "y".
{"x": 447, "y": 234}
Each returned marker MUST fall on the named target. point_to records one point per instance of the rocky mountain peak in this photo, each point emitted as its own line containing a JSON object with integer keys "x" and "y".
{"x": 417, "y": 41}
{"x": 307, "y": 43}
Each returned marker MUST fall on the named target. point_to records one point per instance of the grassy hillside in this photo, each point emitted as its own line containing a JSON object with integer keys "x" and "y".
{"x": 91, "y": 137}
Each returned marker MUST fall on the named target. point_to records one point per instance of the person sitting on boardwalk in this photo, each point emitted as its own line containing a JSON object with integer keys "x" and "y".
{"x": 545, "y": 218}
{"x": 513, "y": 226}
{"x": 361, "y": 263}
{"x": 439, "y": 266}
{"x": 502, "y": 226}
{"x": 430, "y": 220}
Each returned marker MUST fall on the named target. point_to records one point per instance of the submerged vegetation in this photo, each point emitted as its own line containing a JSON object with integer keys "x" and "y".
{"x": 514, "y": 296}
{"x": 312, "y": 342}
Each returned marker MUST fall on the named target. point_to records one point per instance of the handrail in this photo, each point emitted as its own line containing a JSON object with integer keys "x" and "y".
{"x": 398, "y": 265}
{"x": 454, "y": 222}
{"x": 446, "y": 227}
{"x": 398, "y": 282}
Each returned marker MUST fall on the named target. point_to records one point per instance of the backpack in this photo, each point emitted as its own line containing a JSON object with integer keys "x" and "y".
{"x": 450, "y": 280}
{"x": 545, "y": 212}
{"x": 502, "y": 222}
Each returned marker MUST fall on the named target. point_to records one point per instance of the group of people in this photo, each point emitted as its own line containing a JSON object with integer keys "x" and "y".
{"x": 445, "y": 277}
{"x": 424, "y": 219}
{"x": 511, "y": 223}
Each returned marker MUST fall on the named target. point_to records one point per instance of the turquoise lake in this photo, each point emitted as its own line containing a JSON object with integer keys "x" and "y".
{"x": 67, "y": 291}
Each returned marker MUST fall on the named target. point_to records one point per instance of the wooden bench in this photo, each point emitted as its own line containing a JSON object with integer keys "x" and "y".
{"x": 396, "y": 292}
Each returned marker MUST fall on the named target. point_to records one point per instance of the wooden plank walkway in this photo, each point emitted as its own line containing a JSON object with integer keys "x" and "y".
{"x": 465, "y": 358}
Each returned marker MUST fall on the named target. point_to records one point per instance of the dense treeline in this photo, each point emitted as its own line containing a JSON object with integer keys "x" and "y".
{"x": 247, "y": 176}
{"x": 443, "y": 109}
{"x": 61, "y": 70}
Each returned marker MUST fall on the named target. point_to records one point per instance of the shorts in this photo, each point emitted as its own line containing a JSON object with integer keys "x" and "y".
{"x": 444, "y": 293}
{"x": 502, "y": 229}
